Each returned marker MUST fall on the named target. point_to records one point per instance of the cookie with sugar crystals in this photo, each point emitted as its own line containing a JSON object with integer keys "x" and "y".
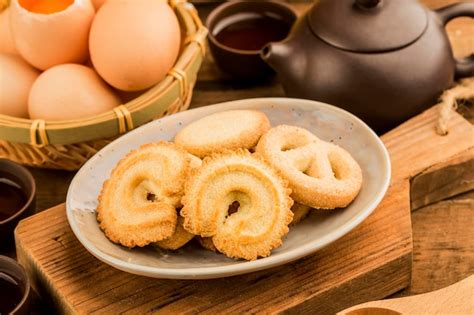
{"x": 261, "y": 217}
{"x": 228, "y": 130}
{"x": 138, "y": 203}
{"x": 321, "y": 175}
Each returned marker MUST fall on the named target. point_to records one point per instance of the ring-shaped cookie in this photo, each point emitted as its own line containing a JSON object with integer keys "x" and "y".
{"x": 263, "y": 214}
{"x": 137, "y": 204}
{"x": 321, "y": 175}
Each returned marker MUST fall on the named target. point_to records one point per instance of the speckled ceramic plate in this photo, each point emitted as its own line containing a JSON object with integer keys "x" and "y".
{"x": 192, "y": 262}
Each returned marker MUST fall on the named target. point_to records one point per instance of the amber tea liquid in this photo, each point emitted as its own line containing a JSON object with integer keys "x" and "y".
{"x": 250, "y": 31}
{"x": 10, "y": 293}
{"x": 12, "y": 198}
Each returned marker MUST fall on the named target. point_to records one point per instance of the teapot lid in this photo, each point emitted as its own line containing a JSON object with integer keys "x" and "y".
{"x": 368, "y": 25}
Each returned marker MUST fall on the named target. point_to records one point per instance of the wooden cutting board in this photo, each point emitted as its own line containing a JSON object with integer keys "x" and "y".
{"x": 370, "y": 263}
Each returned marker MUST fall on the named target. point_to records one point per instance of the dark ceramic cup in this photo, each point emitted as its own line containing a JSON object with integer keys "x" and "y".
{"x": 239, "y": 63}
{"x": 13, "y": 272}
{"x": 21, "y": 176}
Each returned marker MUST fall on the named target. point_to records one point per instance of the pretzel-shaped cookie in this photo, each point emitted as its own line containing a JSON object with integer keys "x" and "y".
{"x": 263, "y": 213}
{"x": 320, "y": 174}
{"x": 137, "y": 205}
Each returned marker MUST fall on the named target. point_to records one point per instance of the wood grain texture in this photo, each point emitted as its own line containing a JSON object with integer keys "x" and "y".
{"x": 442, "y": 181}
{"x": 213, "y": 86}
{"x": 455, "y": 299}
{"x": 416, "y": 141}
{"x": 442, "y": 253}
{"x": 51, "y": 186}
{"x": 443, "y": 236}
{"x": 369, "y": 263}
{"x": 443, "y": 246}
{"x": 63, "y": 270}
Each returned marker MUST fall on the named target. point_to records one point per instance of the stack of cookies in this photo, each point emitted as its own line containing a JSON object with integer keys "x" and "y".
{"x": 230, "y": 180}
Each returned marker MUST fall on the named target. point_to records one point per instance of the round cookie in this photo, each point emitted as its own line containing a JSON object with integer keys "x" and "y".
{"x": 207, "y": 243}
{"x": 228, "y": 130}
{"x": 195, "y": 161}
{"x": 299, "y": 212}
{"x": 137, "y": 204}
{"x": 180, "y": 237}
{"x": 263, "y": 213}
{"x": 321, "y": 175}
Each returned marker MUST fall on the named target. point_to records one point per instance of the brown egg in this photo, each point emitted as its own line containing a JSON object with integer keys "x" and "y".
{"x": 134, "y": 43}
{"x": 4, "y": 4}
{"x": 48, "y": 33}
{"x": 98, "y": 3}
{"x": 16, "y": 79}
{"x": 7, "y": 45}
{"x": 70, "y": 91}
{"x": 126, "y": 96}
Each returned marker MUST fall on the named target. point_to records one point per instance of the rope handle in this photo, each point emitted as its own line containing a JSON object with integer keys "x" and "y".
{"x": 38, "y": 132}
{"x": 449, "y": 103}
{"x": 124, "y": 118}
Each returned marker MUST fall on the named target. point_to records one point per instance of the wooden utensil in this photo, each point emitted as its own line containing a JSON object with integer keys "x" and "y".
{"x": 370, "y": 263}
{"x": 455, "y": 299}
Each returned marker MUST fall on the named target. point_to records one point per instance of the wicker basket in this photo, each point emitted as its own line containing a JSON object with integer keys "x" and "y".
{"x": 68, "y": 144}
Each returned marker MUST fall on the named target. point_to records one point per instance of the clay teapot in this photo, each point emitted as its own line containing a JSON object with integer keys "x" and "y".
{"x": 383, "y": 60}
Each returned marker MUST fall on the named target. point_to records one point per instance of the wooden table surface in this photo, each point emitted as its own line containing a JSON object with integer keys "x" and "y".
{"x": 442, "y": 231}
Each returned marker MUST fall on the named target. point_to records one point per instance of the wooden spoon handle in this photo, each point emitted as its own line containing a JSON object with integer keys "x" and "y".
{"x": 455, "y": 299}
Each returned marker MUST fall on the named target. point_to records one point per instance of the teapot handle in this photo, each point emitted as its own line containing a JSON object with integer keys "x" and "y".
{"x": 465, "y": 66}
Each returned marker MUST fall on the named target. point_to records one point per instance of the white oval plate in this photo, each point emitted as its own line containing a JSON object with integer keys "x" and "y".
{"x": 192, "y": 262}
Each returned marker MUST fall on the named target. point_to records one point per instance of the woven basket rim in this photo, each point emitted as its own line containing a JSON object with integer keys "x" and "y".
{"x": 177, "y": 83}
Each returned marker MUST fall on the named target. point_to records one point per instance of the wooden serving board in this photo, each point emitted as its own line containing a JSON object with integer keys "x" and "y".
{"x": 370, "y": 263}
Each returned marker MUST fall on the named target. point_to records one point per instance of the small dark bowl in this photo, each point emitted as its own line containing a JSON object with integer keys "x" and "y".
{"x": 244, "y": 64}
{"x": 11, "y": 268}
{"x": 22, "y": 177}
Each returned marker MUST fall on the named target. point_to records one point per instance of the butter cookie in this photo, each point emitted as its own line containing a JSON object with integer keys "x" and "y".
{"x": 179, "y": 238}
{"x": 321, "y": 175}
{"x": 299, "y": 212}
{"x": 228, "y": 130}
{"x": 137, "y": 204}
{"x": 263, "y": 205}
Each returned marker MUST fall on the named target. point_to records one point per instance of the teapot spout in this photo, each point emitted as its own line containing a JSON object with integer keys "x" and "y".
{"x": 276, "y": 55}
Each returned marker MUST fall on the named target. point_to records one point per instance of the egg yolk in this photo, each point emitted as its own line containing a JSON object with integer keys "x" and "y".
{"x": 45, "y": 6}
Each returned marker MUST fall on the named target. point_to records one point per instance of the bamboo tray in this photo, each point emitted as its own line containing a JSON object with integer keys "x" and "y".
{"x": 370, "y": 263}
{"x": 68, "y": 144}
